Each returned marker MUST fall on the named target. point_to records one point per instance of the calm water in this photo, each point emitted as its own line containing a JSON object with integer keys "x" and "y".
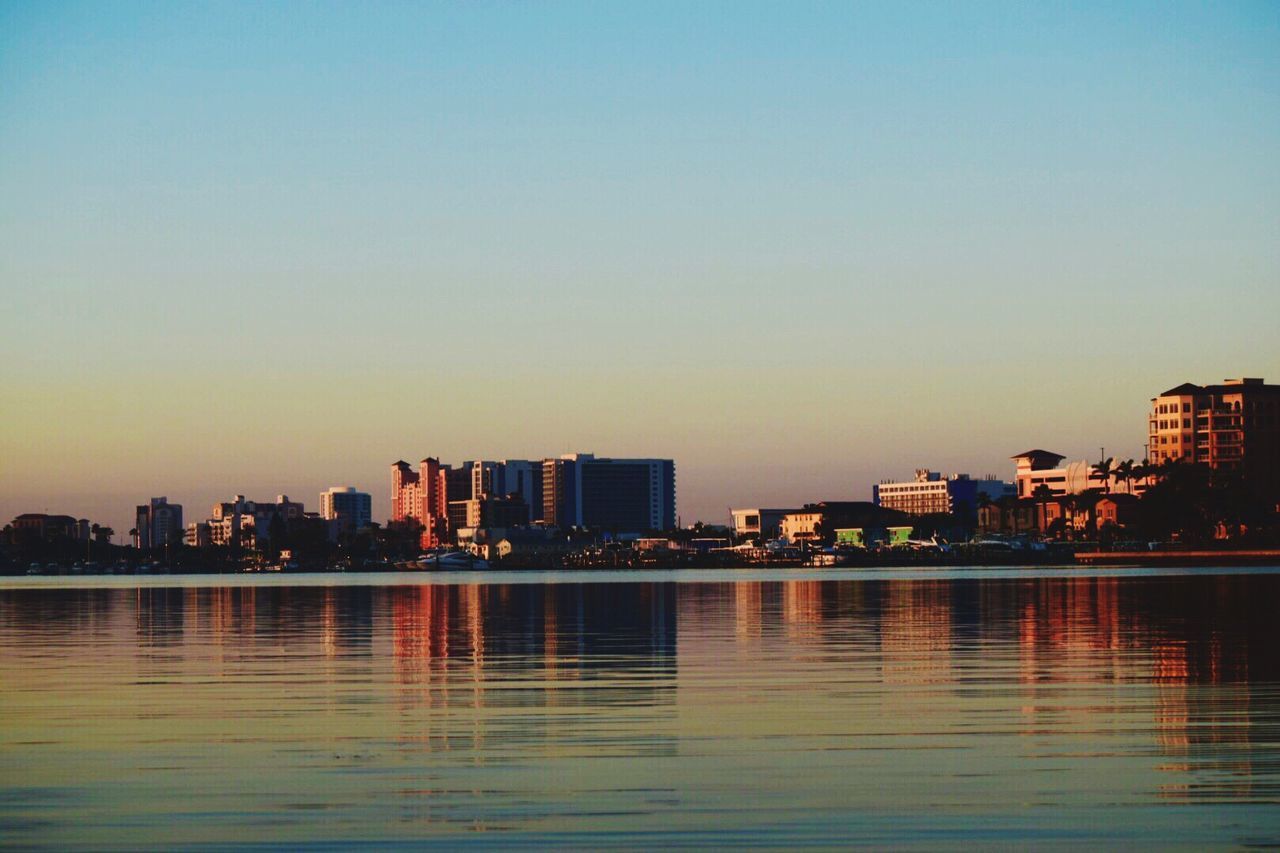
{"x": 960, "y": 709}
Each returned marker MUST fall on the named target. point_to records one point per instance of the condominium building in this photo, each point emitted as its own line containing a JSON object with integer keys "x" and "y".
{"x": 422, "y": 496}
{"x": 507, "y": 477}
{"x": 931, "y": 492}
{"x": 1235, "y": 425}
{"x": 632, "y": 495}
{"x": 351, "y": 509}
{"x": 157, "y": 524}
{"x": 246, "y": 521}
{"x": 562, "y": 490}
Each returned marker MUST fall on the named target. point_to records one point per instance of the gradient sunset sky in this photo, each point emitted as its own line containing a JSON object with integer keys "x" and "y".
{"x": 267, "y": 248}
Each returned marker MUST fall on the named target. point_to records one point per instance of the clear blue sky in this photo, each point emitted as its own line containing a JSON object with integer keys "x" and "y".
{"x": 269, "y": 248}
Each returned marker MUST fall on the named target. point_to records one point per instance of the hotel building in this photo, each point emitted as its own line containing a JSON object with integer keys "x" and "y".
{"x": 632, "y": 495}
{"x": 931, "y": 492}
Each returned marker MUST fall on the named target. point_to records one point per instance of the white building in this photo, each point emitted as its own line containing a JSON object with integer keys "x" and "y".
{"x": 758, "y": 523}
{"x": 931, "y": 492}
{"x": 352, "y": 509}
{"x": 157, "y": 524}
{"x": 1042, "y": 468}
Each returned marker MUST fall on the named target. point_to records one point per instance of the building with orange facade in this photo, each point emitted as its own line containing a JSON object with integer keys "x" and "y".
{"x": 1234, "y": 426}
{"x": 422, "y": 496}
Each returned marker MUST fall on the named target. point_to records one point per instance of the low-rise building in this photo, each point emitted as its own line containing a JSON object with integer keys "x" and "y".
{"x": 819, "y": 521}
{"x": 40, "y": 525}
{"x": 1037, "y": 468}
{"x": 932, "y": 492}
{"x": 858, "y": 537}
{"x": 758, "y": 523}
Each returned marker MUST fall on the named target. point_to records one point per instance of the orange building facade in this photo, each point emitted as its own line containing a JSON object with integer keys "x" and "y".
{"x": 421, "y": 496}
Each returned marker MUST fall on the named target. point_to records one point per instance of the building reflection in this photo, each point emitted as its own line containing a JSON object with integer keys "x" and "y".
{"x": 1195, "y": 655}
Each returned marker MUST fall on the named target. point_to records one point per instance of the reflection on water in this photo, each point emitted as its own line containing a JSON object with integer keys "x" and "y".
{"x": 927, "y": 712}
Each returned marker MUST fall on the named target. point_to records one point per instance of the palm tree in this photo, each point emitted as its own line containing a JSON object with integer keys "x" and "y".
{"x": 1102, "y": 471}
{"x": 1142, "y": 471}
{"x": 1043, "y": 495}
{"x": 1124, "y": 472}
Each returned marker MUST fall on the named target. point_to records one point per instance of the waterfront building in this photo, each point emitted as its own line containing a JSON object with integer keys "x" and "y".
{"x": 819, "y": 521}
{"x": 859, "y": 537}
{"x": 1036, "y": 468}
{"x": 249, "y": 522}
{"x": 349, "y": 508}
{"x": 506, "y": 477}
{"x": 931, "y": 492}
{"x": 199, "y": 534}
{"x": 628, "y": 495}
{"x": 1079, "y": 515}
{"x": 624, "y": 495}
{"x": 457, "y": 482}
{"x": 758, "y": 523}
{"x": 500, "y": 511}
{"x": 40, "y": 525}
{"x": 1235, "y": 425}
{"x": 422, "y": 496}
{"x": 562, "y": 490}
{"x": 157, "y": 524}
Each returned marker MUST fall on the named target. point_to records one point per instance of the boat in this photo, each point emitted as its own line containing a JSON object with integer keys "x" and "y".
{"x": 452, "y": 561}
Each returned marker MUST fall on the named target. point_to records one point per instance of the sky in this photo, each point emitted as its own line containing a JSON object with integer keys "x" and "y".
{"x": 252, "y": 248}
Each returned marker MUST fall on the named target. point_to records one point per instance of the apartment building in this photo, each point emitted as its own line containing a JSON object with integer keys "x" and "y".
{"x": 1234, "y": 425}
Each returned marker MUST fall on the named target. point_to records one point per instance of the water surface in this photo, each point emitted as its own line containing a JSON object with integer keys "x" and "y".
{"x": 922, "y": 709}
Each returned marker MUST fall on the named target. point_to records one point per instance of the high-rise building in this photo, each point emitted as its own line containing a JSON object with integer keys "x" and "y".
{"x": 1235, "y": 425}
{"x": 353, "y": 510}
{"x": 562, "y": 490}
{"x": 507, "y": 477}
{"x": 457, "y": 482}
{"x": 422, "y": 496}
{"x": 631, "y": 495}
{"x": 157, "y": 524}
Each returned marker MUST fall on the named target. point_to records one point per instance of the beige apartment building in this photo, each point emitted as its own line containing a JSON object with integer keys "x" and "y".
{"x": 1233, "y": 425}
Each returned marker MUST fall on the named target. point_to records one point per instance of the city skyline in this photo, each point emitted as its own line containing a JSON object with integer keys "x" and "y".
{"x": 796, "y": 248}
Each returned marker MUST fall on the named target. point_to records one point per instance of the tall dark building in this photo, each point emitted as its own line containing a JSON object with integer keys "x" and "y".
{"x": 631, "y": 495}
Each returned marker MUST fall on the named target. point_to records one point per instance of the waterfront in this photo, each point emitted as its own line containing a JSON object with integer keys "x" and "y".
{"x": 724, "y": 708}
